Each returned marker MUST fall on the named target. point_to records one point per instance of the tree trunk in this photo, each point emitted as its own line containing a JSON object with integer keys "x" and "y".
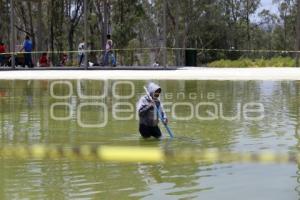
{"x": 40, "y": 33}
{"x": 248, "y": 26}
{"x": 71, "y": 42}
{"x": 52, "y": 28}
{"x": 105, "y": 26}
{"x": 1, "y": 18}
{"x": 297, "y": 48}
{"x": 177, "y": 36}
{"x": 285, "y": 31}
{"x": 31, "y": 28}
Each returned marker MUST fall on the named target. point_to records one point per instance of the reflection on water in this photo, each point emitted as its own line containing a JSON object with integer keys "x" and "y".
{"x": 227, "y": 115}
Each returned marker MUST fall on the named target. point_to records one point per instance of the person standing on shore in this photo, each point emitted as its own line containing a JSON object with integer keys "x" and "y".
{"x": 27, "y": 47}
{"x": 2, "y": 55}
{"x": 109, "y": 52}
{"x": 81, "y": 48}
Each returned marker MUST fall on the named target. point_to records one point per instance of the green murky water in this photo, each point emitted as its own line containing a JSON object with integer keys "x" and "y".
{"x": 227, "y": 115}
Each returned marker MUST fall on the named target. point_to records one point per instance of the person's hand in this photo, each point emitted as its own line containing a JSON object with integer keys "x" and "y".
{"x": 152, "y": 104}
{"x": 165, "y": 121}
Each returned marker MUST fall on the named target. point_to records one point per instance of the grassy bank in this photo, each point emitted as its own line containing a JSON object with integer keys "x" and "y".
{"x": 246, "y": 62}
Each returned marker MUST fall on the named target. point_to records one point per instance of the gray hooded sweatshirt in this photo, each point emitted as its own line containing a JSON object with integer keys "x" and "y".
{"x": 148, "y": 113}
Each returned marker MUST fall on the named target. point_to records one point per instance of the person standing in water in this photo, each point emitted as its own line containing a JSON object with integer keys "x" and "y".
{"x": 148, "y": 107}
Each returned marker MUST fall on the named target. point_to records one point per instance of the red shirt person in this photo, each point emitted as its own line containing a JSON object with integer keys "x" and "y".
{"x": 2, "y": 47}
{"x": 2, "y": 56}
{"x": 43, "y": 61}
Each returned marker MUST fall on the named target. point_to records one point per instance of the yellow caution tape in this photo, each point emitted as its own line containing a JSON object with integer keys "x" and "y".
{"x": 141, "y": 154}
{"x": 130, "y": 154}
{"x": 85, "y": 152}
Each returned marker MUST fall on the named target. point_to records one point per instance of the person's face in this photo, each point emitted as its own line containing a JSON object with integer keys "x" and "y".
{"x": 156, "y": 95}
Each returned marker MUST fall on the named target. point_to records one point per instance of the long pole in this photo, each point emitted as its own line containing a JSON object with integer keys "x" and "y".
{"x": 85, "y": 35}
{"x": 12, "y": 34}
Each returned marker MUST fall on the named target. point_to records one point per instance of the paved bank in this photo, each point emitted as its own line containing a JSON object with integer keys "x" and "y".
{"x": 185, "y": 73}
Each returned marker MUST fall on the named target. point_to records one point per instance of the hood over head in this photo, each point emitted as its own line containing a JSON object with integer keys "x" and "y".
{"x": 152, "y": 87}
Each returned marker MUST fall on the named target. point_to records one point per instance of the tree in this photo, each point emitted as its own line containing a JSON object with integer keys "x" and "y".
{"x": 74, "y": 12}
{"x": 205, "y": 24}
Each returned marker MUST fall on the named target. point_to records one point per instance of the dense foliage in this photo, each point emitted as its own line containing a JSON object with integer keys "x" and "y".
{"x": 58, "y": 25}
